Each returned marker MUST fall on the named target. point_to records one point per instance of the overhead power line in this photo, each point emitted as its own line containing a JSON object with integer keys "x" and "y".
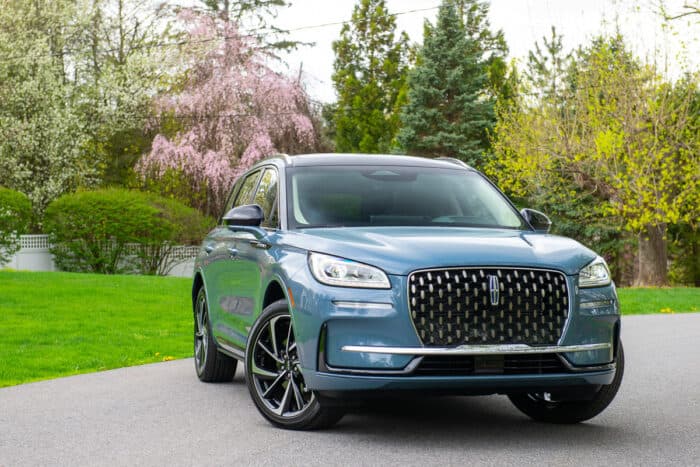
{"x": 179, "y": 43}
{"x": 340, "y": 23}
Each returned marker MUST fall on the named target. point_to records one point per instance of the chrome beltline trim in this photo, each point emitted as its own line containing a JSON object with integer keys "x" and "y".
{"x": 508, "y": 349}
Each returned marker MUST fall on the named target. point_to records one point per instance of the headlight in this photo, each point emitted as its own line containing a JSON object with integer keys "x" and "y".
{"x": 346, "y": 273}
{"x": 596, "y": 274}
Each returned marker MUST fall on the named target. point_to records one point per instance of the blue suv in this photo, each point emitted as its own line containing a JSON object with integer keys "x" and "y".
{"x": 334, "y": 277}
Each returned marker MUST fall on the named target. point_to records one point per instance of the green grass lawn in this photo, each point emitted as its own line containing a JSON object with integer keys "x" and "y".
{"x": 668, "y": 300}
{"x": 58, "y": 324}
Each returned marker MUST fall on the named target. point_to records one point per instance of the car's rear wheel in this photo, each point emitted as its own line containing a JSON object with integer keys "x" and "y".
{"x": 212, "y": 366}
{"x": 562, "y": 407}
{"x": 274, "y": 377}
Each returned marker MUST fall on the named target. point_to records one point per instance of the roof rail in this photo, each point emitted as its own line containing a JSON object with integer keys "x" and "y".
{"x": 454, "y": 160}
{"x": 280, "y": 155}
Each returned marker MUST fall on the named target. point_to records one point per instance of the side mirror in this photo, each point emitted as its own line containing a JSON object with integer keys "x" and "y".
{"x": 250, "y": 215}
{"x": 537, "y": 220}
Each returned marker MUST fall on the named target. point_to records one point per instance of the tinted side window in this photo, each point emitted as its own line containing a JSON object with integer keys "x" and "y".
{"x": 234, "y": 191}
{"x": 249, "y": 185}
{"x": 266, "y": 197}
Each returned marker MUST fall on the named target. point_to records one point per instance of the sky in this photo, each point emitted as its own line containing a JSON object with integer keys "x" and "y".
{"x": 523, "y": 21}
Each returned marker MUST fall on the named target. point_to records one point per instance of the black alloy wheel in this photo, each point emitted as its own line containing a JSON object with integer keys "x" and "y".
{"x": 212, "y": 366}
{"x": 562, "y": 408}
{"x": 274, "y": 376}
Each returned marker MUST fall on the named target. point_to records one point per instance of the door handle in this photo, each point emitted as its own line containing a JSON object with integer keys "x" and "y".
{"x": 233, "y": 252}
{"x": 260, "y": 245}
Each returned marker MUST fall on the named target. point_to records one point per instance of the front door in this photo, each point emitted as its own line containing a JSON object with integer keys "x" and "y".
{"x": 238, "y": 276}
{"x": 225, "y": 282}
{"x": 253, "y": 255}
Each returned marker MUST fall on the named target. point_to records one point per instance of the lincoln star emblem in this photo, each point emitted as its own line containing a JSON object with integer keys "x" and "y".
{"x": 494, "y": 289}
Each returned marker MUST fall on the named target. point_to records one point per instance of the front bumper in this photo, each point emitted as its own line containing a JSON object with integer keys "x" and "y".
{"x": 482, "y": 384}
{"x": 355, "y": 339}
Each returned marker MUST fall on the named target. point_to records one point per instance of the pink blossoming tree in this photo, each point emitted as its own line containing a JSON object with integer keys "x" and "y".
{"x": 232, "y": 111}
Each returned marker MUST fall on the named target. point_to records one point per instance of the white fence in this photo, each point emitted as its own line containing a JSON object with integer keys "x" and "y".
{"x": 34, "y": 255}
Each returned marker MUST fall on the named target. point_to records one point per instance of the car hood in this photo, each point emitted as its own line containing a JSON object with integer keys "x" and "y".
{"x": 400, "y": 250}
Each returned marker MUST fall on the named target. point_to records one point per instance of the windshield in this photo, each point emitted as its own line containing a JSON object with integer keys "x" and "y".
{"x": 360, "y": 196}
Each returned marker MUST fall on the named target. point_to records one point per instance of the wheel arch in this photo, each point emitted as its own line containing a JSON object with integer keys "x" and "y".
{"x": 274, "y": 291}
{"x": 197, "y": 283}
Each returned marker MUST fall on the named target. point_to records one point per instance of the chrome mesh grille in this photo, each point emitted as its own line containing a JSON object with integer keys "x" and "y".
{"x": 488, "y": 306}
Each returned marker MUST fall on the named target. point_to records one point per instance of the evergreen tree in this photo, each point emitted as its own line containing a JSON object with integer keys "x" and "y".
{"x": 489, "y": 45}
{"x": 450, "y": 109}
{"x": 257, "y": 16}
{"x": 370, "y": 73}
{"x": 547, "y": 67}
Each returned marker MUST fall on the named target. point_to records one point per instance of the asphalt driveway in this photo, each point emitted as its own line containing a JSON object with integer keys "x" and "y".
{"x": 162, "y": 415}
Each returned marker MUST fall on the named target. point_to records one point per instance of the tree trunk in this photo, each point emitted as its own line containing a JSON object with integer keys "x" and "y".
{"x": 122, "y": 34}
{"x": 653, "y": 267}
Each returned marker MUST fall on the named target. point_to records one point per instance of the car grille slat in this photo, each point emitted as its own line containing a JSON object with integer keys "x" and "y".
{"x": 485, "y": 306}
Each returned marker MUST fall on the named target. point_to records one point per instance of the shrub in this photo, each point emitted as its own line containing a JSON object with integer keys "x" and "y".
{"x": 119, "y": 231}
{"x": 15, "y": 217}
{"x": 191, "y": 226}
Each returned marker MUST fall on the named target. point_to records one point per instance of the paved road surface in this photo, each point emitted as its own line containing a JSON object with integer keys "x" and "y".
{"x": 162, "y": 415}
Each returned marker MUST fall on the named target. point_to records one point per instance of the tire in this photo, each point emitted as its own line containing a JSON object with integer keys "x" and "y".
{"x": 211, "y": 365}
{"x": 274, "y": 378}
{"x": 543, "y": 408}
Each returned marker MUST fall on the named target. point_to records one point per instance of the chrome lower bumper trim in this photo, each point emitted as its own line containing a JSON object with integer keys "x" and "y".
{"x": 508, "y": 349}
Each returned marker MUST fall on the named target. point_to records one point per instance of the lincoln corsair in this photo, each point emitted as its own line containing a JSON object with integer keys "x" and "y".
{"x": 335, "y": 277}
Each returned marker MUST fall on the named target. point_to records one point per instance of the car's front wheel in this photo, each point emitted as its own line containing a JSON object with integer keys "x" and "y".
{"x": 274, "y": 377}
{"x": 565, "y": 407}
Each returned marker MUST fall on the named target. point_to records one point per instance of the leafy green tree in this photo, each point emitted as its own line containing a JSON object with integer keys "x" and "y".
{"x": 76, "y": 80}
{"x": 625, "y": 139}
{"x": 42, "y": 139}
{"x": 450, "y": 110}
{"x": 573, "y": 209}
{"x": 122, "y": 61}
{"x": 15, "y": 216}
{"x": 369, "y": 73}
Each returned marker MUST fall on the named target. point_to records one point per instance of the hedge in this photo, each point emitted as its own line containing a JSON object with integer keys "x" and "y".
{"x": 97, "y": 231}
